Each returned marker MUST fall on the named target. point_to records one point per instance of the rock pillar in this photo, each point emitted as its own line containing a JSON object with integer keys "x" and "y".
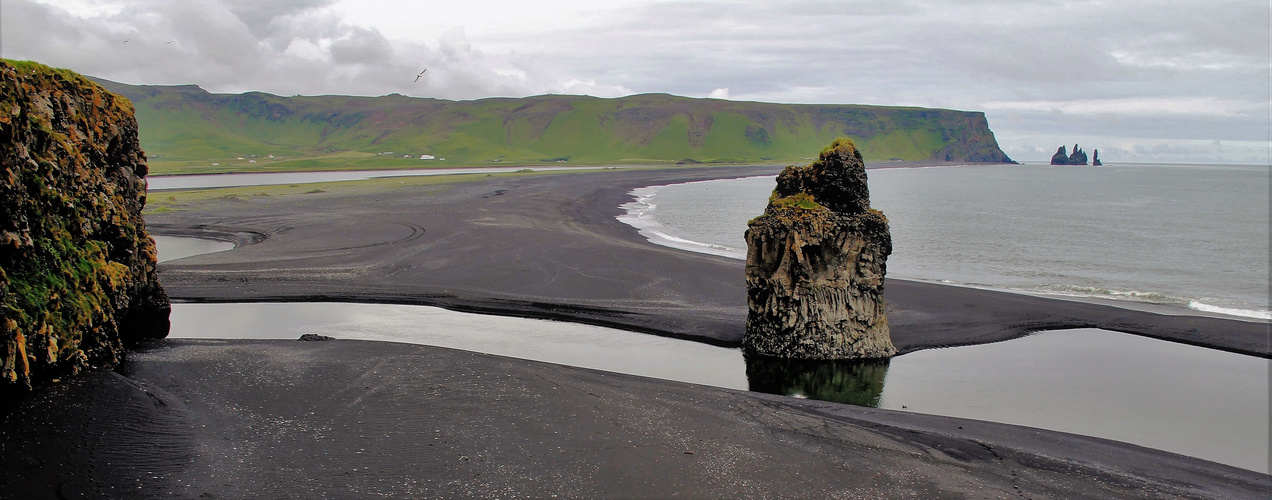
{"x": 815, "y": 264}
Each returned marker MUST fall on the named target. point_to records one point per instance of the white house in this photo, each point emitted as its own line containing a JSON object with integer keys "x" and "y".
{"x": 427, "y": 157}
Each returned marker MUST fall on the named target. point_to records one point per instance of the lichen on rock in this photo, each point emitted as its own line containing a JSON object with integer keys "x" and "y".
{"x": 77, "y": 268}
{"x": 815, "y": 264}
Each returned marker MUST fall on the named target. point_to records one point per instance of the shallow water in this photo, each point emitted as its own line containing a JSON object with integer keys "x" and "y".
{"x": 1195, "y": 401}
{"x": 1189, "y": 400}
{"x": 1190, "y": 236}
{"x": 173, "y": 247}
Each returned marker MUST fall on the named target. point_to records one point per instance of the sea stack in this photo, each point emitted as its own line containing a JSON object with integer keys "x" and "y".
{"x": 1079, "y": 157}
{"x": 815, "y": 264}
{"x": 77, "y": 269}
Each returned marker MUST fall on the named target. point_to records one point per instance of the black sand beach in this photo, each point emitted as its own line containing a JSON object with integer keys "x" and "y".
{"x": 350, "y": 419}
{"x": 549, "y": 246}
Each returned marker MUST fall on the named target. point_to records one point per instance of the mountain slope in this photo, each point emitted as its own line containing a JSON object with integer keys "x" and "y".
{"x": 186, "y": 125}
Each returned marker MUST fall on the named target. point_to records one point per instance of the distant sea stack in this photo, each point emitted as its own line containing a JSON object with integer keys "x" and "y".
{"x": 815, "y": 264}
{"x": 1095, "y": 158}
{"x": 1079, "y": 157}
{"x": 77, "y": 269}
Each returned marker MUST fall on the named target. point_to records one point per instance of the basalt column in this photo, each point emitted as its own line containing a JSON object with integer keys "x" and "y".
{"x": 815, "y": 264}
{"x": 77, "y": 268}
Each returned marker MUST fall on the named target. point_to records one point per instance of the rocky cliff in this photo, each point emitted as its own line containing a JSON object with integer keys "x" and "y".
{"x": 77, "y": 269}
{"x": 815, "y": 264}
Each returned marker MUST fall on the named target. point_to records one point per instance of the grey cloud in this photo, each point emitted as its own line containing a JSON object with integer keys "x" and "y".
{"x": 262, "y": 17}
{"x": 234, "y": 46}
{"x": 362, "y": 46}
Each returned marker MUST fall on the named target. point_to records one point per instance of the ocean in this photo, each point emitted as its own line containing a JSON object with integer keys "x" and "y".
{"x": 1190, "y": 236}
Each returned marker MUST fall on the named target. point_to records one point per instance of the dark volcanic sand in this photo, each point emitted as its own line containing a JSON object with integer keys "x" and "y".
{"x": 549, "y": 246}
{"x": 353, "y": 419}
{"x": 350, "y": 419}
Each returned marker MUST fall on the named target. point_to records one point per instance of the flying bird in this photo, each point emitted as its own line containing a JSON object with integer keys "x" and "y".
{"x": 417, "y": 77}
{"x": 125, "y": 41}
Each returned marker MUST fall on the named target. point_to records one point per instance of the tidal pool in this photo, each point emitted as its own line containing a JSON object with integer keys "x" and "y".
{"x": 173, "y": 247}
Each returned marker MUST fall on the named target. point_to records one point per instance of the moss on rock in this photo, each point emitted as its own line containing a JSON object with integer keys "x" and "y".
{"x": 77, "y": 268}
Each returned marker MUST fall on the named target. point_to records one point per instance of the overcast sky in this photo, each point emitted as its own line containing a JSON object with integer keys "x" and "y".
{"x": 1142, "y": 80}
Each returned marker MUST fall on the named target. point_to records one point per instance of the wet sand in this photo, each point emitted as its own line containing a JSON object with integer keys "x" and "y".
{"x": 351, "y": 419}
{"x": 354, "y": 419}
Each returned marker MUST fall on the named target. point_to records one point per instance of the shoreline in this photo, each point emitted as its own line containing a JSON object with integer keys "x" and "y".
{"x": 551, "y": 247}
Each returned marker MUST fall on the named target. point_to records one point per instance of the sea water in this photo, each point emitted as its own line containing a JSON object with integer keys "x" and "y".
{"x": 1192, "y": 236}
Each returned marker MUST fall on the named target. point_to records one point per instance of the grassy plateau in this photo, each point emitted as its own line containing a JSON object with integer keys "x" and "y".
{"x": 185, "y": 129}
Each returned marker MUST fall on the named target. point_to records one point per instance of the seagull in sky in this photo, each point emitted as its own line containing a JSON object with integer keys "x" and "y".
{"x": 417, "y": 77}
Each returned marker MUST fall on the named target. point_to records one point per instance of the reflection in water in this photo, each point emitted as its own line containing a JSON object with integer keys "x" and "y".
{"x": 857, "y": 382}
{"x": 175, "y": 247}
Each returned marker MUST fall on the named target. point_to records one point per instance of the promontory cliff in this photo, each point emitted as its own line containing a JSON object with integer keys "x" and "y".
{"x": 186, "y": 128}
{"x": 77, "y": 269}
{"x": 815, "y": 264}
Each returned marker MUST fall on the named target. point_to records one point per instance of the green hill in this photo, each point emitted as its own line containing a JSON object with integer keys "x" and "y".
{"x": 186, "y": 129}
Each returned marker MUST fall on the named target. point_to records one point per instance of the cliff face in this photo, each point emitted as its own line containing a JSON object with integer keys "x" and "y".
{"x": 77, "y": 269}
{"x": 815, "y": 264}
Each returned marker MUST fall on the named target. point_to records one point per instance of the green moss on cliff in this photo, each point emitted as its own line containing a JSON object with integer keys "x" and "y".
{"x": 77, "y": 269}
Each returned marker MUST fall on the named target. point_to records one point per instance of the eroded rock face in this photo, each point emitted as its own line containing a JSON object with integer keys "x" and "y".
{"x": 77, "y": 268}
{"x": 815, "y": 264}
